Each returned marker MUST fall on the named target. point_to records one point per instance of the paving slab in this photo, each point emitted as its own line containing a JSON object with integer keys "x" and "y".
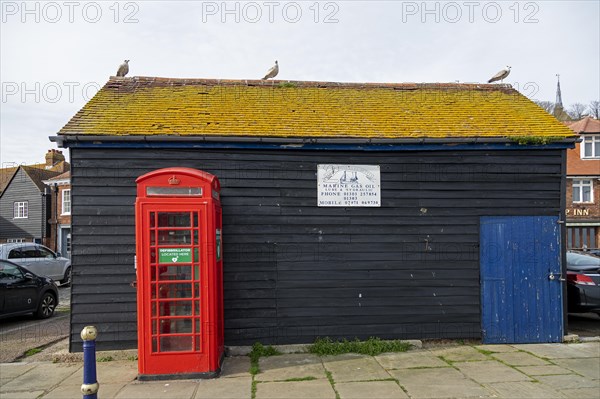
{"x": 177, "y": 389}
{"x": 9, "y": 371}
{"x": 443, "y": 382}
{"x": 352, "y": 367}
{"x": 589, "y": 367}
{"x": 563, "y": 351}
{"x": 500, "y": 348}
{"x": 544, "y": 370}
{"x": 490, "y": 371}
{"x": 43, "y": 376}
{"x": 460, "y": 354}
{"x": 412, "y": 359}
{"x": 108, "y": 372}
{"x": 315, "y": 389}
{"x": 569, "y": 381}
{"x": 74, "y": 391}
{"x": 370, "y": 389}
{"x": 523, "y": 389}
{"x": 581, "y": 393}
{"x": 520, "y": 359}
{"x": 283, "y": 367}
{"x": 236, "y": 366}
{"x": 225, "y": 388}
{"x": 23, "y": 395}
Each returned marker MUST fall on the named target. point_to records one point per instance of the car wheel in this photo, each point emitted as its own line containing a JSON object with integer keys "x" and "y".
{"x": 46, "y": 306}
{"x": 66, "y": 281}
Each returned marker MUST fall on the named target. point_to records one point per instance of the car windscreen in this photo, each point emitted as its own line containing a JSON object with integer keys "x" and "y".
{"x": 579, "y": 261}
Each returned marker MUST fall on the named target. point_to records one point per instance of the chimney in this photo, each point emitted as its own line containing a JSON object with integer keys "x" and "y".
{"x": 53, "y": 157}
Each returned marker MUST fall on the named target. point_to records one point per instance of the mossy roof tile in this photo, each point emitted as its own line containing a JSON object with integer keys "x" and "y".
{"x": 203, "y": 107}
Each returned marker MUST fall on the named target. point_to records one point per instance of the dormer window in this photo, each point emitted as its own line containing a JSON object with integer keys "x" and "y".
{"x": 590, "y": 147}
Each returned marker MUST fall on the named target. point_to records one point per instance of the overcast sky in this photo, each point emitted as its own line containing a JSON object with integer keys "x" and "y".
{"x": 54, "y": 56}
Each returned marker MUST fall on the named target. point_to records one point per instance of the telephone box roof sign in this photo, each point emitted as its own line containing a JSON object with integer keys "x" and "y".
{"x": 178, "y": 182}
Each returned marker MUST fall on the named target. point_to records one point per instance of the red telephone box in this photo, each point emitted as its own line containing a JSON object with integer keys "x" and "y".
{"x": 179, "y": 269}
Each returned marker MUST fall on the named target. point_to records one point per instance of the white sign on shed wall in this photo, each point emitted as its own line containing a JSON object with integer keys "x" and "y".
{"x": 348, "y": 185}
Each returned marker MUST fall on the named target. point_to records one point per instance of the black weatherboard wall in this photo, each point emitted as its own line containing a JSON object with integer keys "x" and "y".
{"x": 294, "y": 271}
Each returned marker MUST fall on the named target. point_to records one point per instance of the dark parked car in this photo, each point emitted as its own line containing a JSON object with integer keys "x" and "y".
{"x": 583, "y": 283}
{"x": 22, "y": 292}
{"x": 39, "y": 260}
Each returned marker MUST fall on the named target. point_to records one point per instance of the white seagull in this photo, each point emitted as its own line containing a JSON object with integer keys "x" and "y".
{"x": 272, "y": 72}
{"x": 500, "y": 75}
{"x": 123, "y": 69}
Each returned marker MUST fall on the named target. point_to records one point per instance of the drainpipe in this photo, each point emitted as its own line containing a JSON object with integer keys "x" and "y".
{"x": 55, "y": 208}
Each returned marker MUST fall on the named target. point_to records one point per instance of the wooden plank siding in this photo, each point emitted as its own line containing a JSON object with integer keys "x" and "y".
{"x": 294, "y": 271}
{"x": 21, "y": 189}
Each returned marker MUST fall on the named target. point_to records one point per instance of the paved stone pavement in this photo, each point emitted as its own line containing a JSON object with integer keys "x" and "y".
{"x": 478, "y": 371}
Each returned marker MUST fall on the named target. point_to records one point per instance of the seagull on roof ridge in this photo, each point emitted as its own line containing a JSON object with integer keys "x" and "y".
{"x": 272, "y": 72}
{"x": 500, "y": 75}
{"x": 123, "y": 69}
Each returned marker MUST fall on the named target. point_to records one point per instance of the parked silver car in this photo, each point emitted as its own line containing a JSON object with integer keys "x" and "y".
{"x": 39, "y": 260}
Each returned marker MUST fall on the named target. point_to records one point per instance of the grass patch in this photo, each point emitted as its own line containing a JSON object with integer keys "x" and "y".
{"x": 104, "y": 359}
{"x": 253, "y": 388}
{"x": 373, "y": 346}
{"x": 297, "y": 379}
{"x": 535, "y": 140}
{"x": 132, "y": 358}
{"x": 258, "y": 351}
{"x": 32, "y": 351}
{"x": 332, "y": 382}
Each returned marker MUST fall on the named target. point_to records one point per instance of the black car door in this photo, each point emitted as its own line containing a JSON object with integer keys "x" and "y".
{"x": 19, "y": 292}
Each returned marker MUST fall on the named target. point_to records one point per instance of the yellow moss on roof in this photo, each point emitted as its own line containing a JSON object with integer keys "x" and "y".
{"x": 155, "y": 106}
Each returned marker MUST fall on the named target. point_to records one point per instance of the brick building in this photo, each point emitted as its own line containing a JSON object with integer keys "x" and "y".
{"x": 59, "y": 216}
{"x": 583, "y": 186}
{"x": 25, "y": 200}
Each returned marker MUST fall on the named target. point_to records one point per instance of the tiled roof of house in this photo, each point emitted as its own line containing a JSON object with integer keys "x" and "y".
{"x": 6, "y": 175}
{"x": 38, "y": 175}
{"x": 141, "y": 106}
{"x": 62, "y": 176}
{"x": 585, "y": 125}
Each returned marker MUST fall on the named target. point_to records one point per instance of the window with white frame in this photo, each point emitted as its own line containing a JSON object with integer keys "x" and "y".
{"x": 590, "y": 147}
{"x": 21, "y": 210}
{"x": 15, "y": 240}
{"x": 66, "y": 202}
{"x": 582, "y": 191}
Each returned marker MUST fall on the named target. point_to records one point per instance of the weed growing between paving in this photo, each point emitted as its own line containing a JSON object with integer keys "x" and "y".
{"x": 258, "y": 351}
{"x": 332, "y": 382}
{"x": 32, "y": 351}
{"x": 298, "y": 379}
{"x": 373, "y": 346}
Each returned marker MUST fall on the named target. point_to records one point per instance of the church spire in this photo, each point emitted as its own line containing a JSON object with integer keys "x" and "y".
{"x": 558, "y": 110}
{"x": 558, "y": 102}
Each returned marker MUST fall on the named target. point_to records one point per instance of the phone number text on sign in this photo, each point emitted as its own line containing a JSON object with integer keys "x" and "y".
{"x": 348, "y": 185}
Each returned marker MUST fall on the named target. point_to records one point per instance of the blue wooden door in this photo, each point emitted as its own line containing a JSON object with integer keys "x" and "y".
{"x": 521, "y": 294}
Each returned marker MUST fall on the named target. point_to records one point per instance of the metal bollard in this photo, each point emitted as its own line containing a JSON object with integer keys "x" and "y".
{"x": 90, "y": 386}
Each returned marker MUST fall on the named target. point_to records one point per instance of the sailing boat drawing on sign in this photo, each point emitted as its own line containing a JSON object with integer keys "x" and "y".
{"x": 348, "y": 180}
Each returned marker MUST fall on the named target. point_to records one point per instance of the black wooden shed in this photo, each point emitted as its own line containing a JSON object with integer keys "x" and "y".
{"x": 462, "y": 235}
